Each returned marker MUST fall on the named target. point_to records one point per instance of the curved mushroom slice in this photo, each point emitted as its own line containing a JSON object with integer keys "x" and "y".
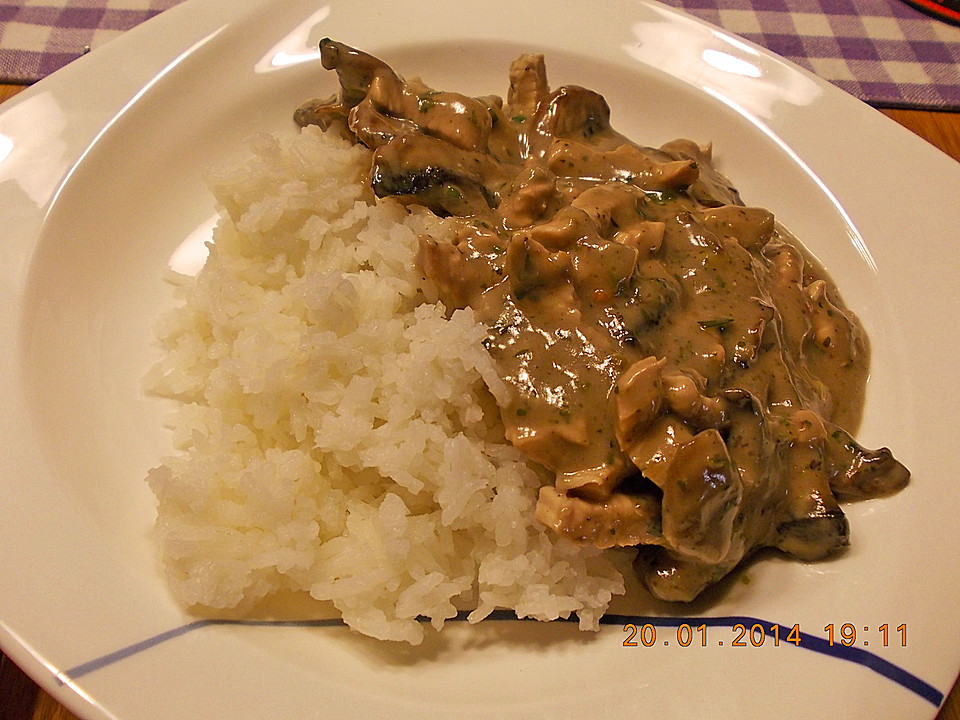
{"x": 381, "y": 105}
{"x": 639, "y": 394}
{"x": 675, "y": 578}
{"x": 571, "y": 112}
{"x": 786, "y": 266}
{"x": 373, "y": 128}
{"x": 857, "y": 473}
{"x": 815, "y": 526}
{"x": 653, "y": 451}
{"x": 816, "y": 535}
{"x": 564, "y": 230}
{"x": 626, "y": 163}
{"x": 434, "y": 173}
{"x": 356, "y": 70}
{"x": 711, "y": 187}
{"x": 817, "y": 380}
{"x": 612, "y": 206}
{"x": 596, "y": 484}
{"x": 677, "y": 175}
{"x": 702, "y": 494}
{"x": 462, "y": 121}
{"x": 620, "y": 521}
{"x": 684, "y": 396}
{"x": 751, "y": 227}
{"x": 324, "y": 112}
{"x": 830, "y": 328}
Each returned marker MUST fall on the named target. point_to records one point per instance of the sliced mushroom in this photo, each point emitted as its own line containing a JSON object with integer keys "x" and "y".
{"x": 701, "y": 497}
{"x": 815, "y": 526}
{"x": 830, "y": 328}
{"x": 373, "y": 128}
{"x": 572, "y": 112}
{"x": 673, "y": 577}
{"x": 751, "y": 227}
{"x": 355, "y": 69}
{"x": 711, "y": 187}
{"x": 434, "y": 173}
{"x": 855, "y": 472}
{"x": 639, "y": 395}
{"x": 622, "y": 520}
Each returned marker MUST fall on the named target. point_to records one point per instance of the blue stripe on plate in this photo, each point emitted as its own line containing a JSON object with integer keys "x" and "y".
{"x": 810, "y": 642}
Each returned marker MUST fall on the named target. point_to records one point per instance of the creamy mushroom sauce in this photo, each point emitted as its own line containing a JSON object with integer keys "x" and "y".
{"x": 680, "y": 365}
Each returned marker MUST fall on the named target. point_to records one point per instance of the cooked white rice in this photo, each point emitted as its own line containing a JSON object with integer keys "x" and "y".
{"x": 337, "y": 434}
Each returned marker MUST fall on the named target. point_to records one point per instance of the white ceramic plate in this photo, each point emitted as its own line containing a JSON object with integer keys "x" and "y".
{"x": 101, "y": 181}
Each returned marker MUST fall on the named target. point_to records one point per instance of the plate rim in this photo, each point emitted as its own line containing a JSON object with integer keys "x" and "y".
{"x": 15, "y": 647}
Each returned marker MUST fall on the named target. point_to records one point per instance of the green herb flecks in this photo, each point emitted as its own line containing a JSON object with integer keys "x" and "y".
{"x": 719, "y": 323}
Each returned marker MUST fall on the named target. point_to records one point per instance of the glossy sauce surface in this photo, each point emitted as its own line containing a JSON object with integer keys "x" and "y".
{"x": 675, "y": 360}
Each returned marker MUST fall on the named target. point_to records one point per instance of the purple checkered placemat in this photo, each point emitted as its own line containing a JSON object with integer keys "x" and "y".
{"x": 38, "y": 37}
{"x": 882, "y": 51}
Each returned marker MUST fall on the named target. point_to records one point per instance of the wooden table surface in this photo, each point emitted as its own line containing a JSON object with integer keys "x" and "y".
{"x": 20, "y": 699}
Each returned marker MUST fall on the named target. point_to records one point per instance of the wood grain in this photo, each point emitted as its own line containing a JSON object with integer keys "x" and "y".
{"x": 951, "y": 706}
{"x": 941, "y": 129}
{"x": 8, "y": 91}
{"x": 20, "y": 699}
{"x": 17, "y": 691}
{"x": 46, "y": 708}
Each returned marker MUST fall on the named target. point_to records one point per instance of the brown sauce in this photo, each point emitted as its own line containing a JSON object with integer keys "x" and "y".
{"x": 679, "y": 364}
